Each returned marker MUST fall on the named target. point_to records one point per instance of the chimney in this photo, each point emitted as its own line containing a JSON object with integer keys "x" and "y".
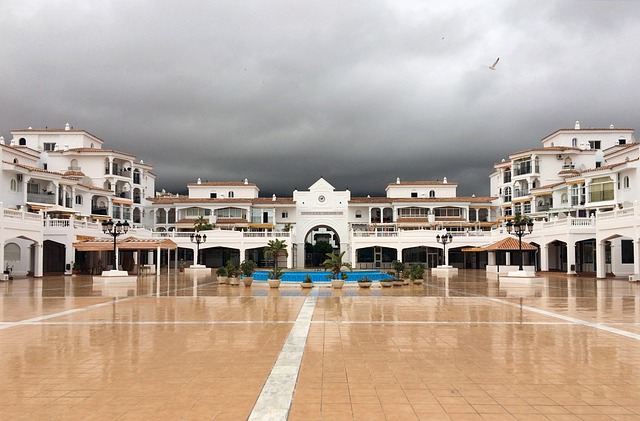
{"x": 398, "y": 180}
{"x": 199, "y": 180}
{"x": 67, "y": 127}
{"x": 577, "y": 126}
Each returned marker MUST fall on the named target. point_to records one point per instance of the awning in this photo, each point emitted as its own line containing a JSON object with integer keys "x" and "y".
{"x": 129, "y": 243}
{"x": 575, "y": 181}
{"x": 472, "y": 249}
{"x": 261, "y": 226}
{"x": 122, "y": 201}
{"x": 50, "y": 208}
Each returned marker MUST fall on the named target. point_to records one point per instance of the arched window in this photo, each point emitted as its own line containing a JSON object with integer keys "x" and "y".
{"x": 625, "y": 182}
{"x": 230, "y": 195}
{"x": 432, "y": 193}
{"x": 22, "y": 141}
{"x": 78, "y": 199}
{"x": 11, "y": 253}
{"x": 564, "y": 198}
{"x": 14, "y": 184}
{"x": 358, "y": 214}
{"x": 15, "y": 160}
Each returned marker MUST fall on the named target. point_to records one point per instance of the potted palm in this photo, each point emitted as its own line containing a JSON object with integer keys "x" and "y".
{"x": 221, "y": 273}
{"x": 275, "y": 248}
{"x": 335, "y": 264}
{"x": 181, "y": 265}
{"x": 307, "y": 283}
{"x": 247, "y": 267}
{"x": 232, "y": 273}
{"x": 364, "y": 282}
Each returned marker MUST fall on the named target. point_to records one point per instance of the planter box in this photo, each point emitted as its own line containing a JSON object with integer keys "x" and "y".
{"x": 274, "y": 283}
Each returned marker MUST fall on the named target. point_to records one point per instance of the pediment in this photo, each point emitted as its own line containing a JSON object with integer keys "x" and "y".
{"x": 321, "y": 185}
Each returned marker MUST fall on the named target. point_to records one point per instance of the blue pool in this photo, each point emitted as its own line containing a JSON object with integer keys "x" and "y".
{"x": 321, "y": 276}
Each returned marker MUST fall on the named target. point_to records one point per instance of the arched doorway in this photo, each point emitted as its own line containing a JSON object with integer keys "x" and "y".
{"x": 320, "y": 240}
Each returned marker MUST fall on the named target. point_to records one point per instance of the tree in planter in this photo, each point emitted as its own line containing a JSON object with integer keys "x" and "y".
{"x": 398, "y": 267}
{"x": 417, "y": 272}
{"x": 247, "y": 267}
{"x": 276, "y": 248}
{"x": 334, "y": 264}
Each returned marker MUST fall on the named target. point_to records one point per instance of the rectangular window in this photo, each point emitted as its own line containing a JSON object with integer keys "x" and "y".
{"x": 447, "y": 212}
{"x": 413, "y": 212}
{"x": 33, "y": 188}
{"x": 285, "y": 214}
{"x": 594, "y": 144}
{"x": 414, "y": 194}
{"x": 601, "y": 189}
{"x": 195, "y": 212}
{"x": 627, "y": 251}
{"x": 49, "y": 146}
{"x": 213, "y": 195}
{"x": 527, "y": 207}
{"x": 229, "y": 213}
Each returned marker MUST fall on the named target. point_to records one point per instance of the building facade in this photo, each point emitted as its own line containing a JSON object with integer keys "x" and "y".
{"x": 579, "y": 186}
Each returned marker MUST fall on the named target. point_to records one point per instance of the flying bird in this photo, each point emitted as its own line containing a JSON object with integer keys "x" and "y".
{"x": 493, "y": 66}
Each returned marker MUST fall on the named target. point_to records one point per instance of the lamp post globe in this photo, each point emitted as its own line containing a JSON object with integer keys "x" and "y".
{"x": 115, "y": 230}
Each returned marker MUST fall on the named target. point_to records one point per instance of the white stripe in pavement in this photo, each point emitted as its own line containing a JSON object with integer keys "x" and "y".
{"x": 275, "y": 399}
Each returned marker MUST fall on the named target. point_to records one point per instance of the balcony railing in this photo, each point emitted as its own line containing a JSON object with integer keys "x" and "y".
{"x": 49, "y": 199}
{"x": 99, "y": 211}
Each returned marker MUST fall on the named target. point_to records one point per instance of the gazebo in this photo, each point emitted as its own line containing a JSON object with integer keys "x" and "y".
{"x": 130, "y": 243}
{"x": 499, "y": 256}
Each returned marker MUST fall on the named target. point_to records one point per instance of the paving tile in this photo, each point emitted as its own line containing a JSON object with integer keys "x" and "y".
{"x": 460, "y": 350}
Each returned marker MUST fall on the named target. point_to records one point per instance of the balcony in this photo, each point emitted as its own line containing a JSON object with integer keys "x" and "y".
{"x": 520, "y": 193}
{"x": 49, "y": 199}
{"x": 99, "y": 211}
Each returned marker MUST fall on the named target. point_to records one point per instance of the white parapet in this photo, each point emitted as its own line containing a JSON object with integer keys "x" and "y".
{"x": 443, "y": 270}
{"x": 115, "y": 276}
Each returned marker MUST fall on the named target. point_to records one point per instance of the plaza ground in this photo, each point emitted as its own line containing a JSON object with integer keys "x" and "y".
{"x": 182, "y": 347}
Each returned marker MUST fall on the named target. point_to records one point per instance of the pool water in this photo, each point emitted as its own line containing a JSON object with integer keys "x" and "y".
{"x": 322, "y": 276}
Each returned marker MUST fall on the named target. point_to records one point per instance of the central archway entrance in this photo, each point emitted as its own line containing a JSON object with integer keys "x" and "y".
{"x": 320, "y": 240}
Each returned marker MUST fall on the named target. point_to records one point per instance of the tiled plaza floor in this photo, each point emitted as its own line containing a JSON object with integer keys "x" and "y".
{"x": 182, "y": 347}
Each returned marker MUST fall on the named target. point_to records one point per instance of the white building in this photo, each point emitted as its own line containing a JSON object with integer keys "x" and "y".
{"x": 579, "y": 186}
{"x": 65, "y": 178}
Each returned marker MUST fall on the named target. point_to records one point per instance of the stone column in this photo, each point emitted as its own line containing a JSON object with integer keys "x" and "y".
{"x": 571, "y": 257}
{"x": 601, "y": 261}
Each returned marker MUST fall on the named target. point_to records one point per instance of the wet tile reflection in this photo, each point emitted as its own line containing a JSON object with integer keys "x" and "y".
{"x": 184, "y": 347}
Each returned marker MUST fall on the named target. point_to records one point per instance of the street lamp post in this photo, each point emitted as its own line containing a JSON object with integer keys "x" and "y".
{"x": 114, "y": 230}
{"x": 444, "y": 240}
{"x": 520, "y": 227}
{"x": 197, "y": 238}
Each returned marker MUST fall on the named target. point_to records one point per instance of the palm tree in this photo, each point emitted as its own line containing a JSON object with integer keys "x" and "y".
{"x": 335, "y": 264}
{"x": 201, "y": 224}
{"x": 276, "y": 248}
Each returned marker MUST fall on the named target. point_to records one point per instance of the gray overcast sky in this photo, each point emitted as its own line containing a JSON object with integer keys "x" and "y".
{"x": 282, "y": 92}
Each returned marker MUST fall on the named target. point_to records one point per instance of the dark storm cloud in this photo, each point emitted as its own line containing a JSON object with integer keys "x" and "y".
{"x": 283, "y": 92}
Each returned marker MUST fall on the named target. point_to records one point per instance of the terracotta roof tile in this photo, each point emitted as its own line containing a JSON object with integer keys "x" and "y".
{"x": 34, "y": 169}
{"x": 509, "y": 243}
